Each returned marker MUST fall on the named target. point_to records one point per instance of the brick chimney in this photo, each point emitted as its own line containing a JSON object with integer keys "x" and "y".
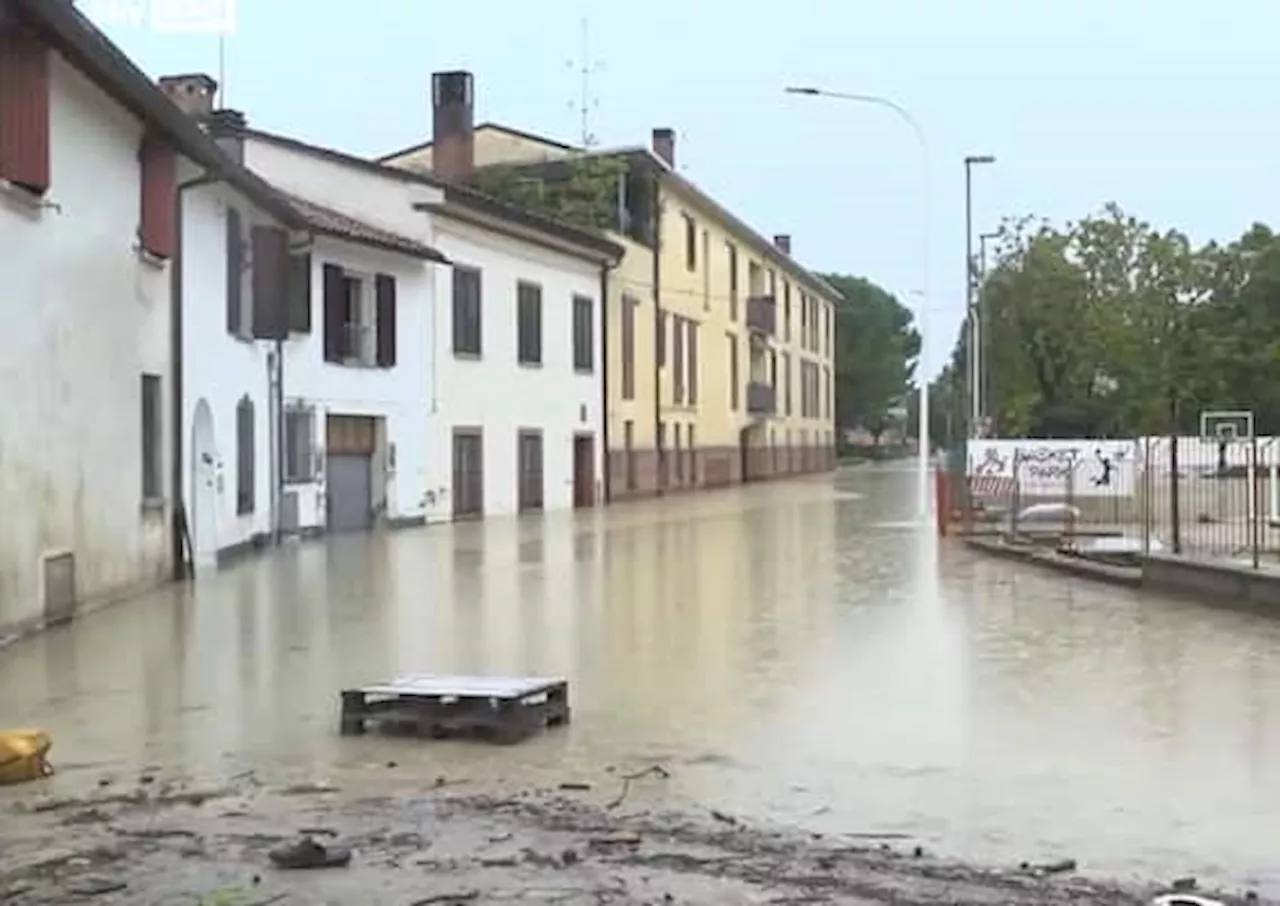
{"x": 453, "y": 140}
{"x": 194, "y": 93}
{"x": 664, "y": 145}
{"x": 782, "y": 241}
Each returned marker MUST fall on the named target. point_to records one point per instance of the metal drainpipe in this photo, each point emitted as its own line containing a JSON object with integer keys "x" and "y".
{"x": 657, "y": 332}
{"x": 606, "y": 482}
{"x": 183, "y": 568}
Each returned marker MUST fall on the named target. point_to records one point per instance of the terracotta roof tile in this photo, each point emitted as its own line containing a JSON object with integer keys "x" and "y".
{"x": 329, "y": 222}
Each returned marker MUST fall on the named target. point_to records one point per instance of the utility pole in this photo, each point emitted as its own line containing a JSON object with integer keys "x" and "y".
{"x": 975, "y": 330}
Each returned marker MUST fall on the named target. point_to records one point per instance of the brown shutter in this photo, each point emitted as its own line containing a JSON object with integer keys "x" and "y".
{"x": 24, "y": 109}
{"x": 386, "y": 324}
{"x": 235, "y": 271}
{"x": 299, "y": 318}
{"x": 159, "y": 165}
{"x": 270, "y": 281}
{"x": 334, "y": 303}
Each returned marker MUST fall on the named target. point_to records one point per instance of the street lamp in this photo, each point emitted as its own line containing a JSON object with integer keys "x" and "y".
{"x": 922, "y": 410}
{"x": 984, "y": 329}
{"x": 975, "y": 329}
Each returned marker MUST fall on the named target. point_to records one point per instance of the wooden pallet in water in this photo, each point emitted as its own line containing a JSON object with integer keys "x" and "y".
{"x": 505, "y": 709}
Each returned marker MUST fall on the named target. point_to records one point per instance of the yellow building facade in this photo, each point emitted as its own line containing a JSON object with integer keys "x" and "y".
{"x": 719, "y": 345}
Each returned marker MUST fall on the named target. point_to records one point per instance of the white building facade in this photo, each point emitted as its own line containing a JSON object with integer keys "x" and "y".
{"x": 521, "y": 421}
{"x": 91, "y": 162}
{"x": 307, "y": 380}
{"x": 512, "y": 361}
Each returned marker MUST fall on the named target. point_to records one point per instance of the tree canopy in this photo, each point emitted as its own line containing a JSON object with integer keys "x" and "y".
{"x": 875, "y": 353}
{"x": 1109, "y": 326}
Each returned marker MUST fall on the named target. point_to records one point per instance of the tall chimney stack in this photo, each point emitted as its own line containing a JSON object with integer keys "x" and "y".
{"x": 664, "y": 145}
{"x": 453, "y": 140}
{"x": 783, "y": 243}
{"x": 193, "y": 93}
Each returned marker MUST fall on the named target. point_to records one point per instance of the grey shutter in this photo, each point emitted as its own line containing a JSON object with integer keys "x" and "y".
{"x": 235, "y": 271}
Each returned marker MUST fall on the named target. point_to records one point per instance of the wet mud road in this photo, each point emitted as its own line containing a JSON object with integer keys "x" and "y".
{"x": 167, "y": 844}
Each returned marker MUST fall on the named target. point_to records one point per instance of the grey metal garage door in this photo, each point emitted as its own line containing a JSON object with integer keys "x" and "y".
{"x": 350, "y": 493}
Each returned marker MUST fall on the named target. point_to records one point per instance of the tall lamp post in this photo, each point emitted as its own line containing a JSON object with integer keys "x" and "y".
{"x": 984, "y": 328}
{"x": 975, "y": 329}
{"x": 922, "y": 410}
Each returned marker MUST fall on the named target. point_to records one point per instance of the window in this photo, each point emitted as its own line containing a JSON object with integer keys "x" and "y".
{"x": 529, "y": 323}
{"x": 24, "y": 110}
{"x": 662, "y": 454}
{"x": 157, "y": 228}
{"x": 804, "y": 321}
{"x": 786, "y": 311}
{"x": 733, "y": 280}
{"x": 693, "y": 455}
{"x": 583, "y": 334}
{"x": 466, "y": 311}
{"x": 690, "y": 243}
{"x": 244, "y": 456}
{"x": 629, "y": 306}
{"x": 237, "y": 317}
{"x": 359, "y": 318}
{"x": 733, "y": 370}
{"x": 661, "y": 339}
{"x": 628, "y": 453}
{"x": 529, "y": 471}
{"x": 678, "y": 454}
{"x": 786, "y": 384}
{"x": 678, "y": 360}
{"x": 468, "y": 473}
{"x": 691, "y": 347}
{"x": 826, "y": 392}
{"x": 152, "y": 443}
{"x": 299, "y": 444}
{"x": 826, "y": 330}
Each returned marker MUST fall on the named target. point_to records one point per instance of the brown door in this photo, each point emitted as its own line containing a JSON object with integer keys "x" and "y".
{"x": 584, "y": 471}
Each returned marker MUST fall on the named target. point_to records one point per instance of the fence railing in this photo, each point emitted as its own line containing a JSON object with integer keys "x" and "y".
{"x": 1186, "y": 495}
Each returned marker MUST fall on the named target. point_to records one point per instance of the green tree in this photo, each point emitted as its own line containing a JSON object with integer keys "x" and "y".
{"x": 582, "y": 190}
{"x": 875, "y": 353}
{"x": 1110, "y": 326}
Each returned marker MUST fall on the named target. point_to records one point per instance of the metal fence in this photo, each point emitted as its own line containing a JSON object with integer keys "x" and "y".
{"x": 1187, "y": 495}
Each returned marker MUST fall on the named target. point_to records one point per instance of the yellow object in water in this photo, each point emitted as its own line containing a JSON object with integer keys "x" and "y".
{"x": 24, "y": 755}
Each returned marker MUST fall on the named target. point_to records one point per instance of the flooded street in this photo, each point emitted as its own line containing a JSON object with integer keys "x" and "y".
{"x": 793, "y": 651}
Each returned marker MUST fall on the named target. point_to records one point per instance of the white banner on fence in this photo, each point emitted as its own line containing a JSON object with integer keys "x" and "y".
{"x": 1096, "y": 468}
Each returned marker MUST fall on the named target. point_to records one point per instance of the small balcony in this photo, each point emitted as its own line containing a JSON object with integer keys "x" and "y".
{"x": 762, "y": 398}
{"x": 762, "y": 315}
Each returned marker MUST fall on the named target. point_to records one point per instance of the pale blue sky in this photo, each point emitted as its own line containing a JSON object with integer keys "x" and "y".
{"x": 1166, "y": 106}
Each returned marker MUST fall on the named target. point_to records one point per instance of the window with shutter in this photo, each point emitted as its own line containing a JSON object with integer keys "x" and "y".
{"x": 235, "y": 273}
{"x": 244, "y": 456}
{"x": 467, "y": 311}
{"x": 271, "y": 271}
{"x": 159, "y": 165}
{"x": 583, "y": 334}
{"x": 335, "y": 303}
{"x": 299, "y": 319}
{"x": 385, "y": 324}
{"x": 24, "y": 109}
{"x": 529, "y": 323}
{"x": 299, "y": 444}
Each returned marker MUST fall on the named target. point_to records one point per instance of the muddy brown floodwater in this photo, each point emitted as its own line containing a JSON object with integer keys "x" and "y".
{"x": 793, "y": 653}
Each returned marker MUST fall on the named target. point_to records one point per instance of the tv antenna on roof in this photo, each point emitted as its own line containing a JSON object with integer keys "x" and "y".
{"x": 586, "y": 67}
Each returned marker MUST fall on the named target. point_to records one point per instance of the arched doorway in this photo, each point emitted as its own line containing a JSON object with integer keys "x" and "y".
{"x": 204, "y": 488}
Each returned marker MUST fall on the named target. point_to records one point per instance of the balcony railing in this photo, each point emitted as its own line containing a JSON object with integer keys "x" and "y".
{"x": 762, "y": 398}
{"x": 762, "y": 315}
